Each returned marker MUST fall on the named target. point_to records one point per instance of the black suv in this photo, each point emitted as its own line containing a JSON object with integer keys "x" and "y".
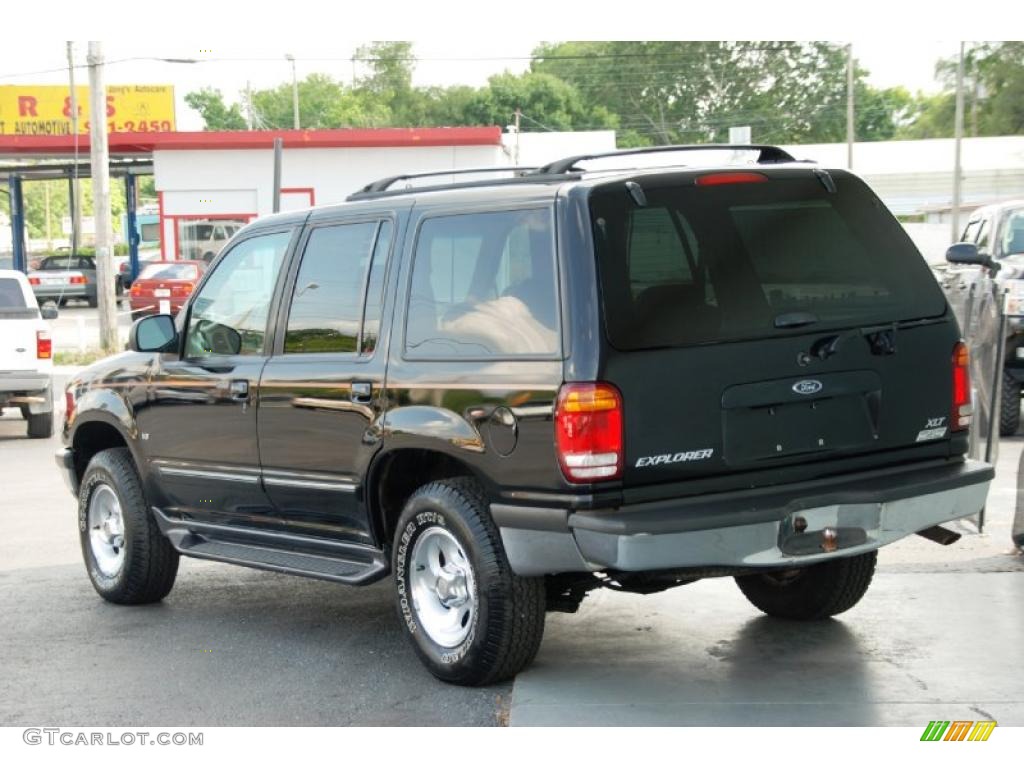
{"x": 507, "y": 392}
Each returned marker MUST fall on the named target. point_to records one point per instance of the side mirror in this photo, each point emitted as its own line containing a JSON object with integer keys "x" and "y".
{"x": 49, "y": 312}
{"x": 155, "y": 333}
{"x": 968, "y": 253}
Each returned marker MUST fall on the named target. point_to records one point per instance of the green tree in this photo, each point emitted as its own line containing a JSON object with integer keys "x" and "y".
{"x": 547, "y": 103}
{"x": 216, "y": 114}
{"x": 670, "y": 91}
{"x": 323, "y": 103}
{"x": 993, "y": 94}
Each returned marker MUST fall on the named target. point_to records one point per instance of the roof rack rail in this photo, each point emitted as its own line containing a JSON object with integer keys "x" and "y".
{"x": 768, "y": 154}
{"x": 382, "y": 185}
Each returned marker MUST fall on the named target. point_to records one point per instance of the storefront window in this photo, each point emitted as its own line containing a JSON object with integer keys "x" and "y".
{"x": 203, "y": 238}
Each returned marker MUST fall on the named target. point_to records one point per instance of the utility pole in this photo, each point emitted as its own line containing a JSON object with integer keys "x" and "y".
{"x": 248, "y": 106}
{"x": 100, "y": 161}
{"x": 76, "y": 192}
{"x": 519, "y": 116}
{"x": 958, "y": 134}
{"x": 46, "y": 200}
{"x": 849, "y": 106}
{"x": 295, "y": 93}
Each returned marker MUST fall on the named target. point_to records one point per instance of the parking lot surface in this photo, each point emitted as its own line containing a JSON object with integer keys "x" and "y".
{"x": 939, "y": 635}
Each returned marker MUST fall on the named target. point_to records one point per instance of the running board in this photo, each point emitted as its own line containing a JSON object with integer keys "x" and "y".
{"x": 275, "y": 551}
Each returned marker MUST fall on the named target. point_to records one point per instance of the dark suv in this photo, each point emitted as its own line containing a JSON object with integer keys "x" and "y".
{"x": 507, "y": 392}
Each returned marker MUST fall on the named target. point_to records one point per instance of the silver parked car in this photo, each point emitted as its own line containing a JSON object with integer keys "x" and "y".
{"x": 59, "y": 278}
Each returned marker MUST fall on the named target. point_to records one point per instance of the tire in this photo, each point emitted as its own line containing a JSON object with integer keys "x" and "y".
{"x": 815, "y": 592}
{"x": 40, "y": 425}
{"x": 138, "y": 315}
{"x": 496, "y": 632}
{"x": 142, "y": 569}
{"x": 62, "y": 302}
{"x": 94, "y": 301}
{"x": 1009, "y": 406}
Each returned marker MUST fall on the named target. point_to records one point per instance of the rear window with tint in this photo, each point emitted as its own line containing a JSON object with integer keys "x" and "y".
{"x": 170, "y": 272}
{"x": 743, "y": 261}
{"x": 11, "y": 295}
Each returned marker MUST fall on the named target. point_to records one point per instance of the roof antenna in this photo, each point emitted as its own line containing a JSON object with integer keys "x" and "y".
{"x": 637, "y": 193}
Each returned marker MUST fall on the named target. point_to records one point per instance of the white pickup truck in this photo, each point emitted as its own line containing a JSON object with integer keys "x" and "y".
{"x": 26, "y": 354}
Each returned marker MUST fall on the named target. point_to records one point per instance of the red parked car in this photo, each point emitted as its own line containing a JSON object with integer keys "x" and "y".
{"x": 171, "y": 281}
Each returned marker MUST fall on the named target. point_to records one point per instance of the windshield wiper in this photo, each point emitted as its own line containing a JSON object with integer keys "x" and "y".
{"x": 795, "y": 319}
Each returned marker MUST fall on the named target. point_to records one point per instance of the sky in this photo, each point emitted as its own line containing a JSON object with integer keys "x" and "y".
{"x": 470, "y": 61}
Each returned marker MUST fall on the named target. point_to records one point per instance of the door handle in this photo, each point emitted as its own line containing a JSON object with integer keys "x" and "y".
{"x": 361, "y": 392}
{"x": 239, "y": 389}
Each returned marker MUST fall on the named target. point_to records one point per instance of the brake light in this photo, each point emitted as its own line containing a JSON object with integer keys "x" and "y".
{"x": 69, "y": 404}
{"x": 181, "y": 290}
{"x": 588, "y": 432}
{"x": 731, "y": 177}
{"x": 135, "y": 290}
{"x": 33, "y": 281}
{"x": 78, "y": 280}
{"x": 962, "y": 408}
{"x": 44, "y": 345}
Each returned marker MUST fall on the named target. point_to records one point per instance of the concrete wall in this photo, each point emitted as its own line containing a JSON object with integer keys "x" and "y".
{"x": 913, "y": 175}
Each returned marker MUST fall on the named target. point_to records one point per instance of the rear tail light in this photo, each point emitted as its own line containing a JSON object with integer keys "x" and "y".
{"x": 44, "y": 345}
{"x": 135, "y": 290}
{"x": 181, "y": 290}
{"x": 78, "y": 279}
{"x": 69, "y": 404}
{"x": 962, "y": 408}
{"x": 588, "y": 432}
{"x": 33, "y": 281}
{"x": 730, "y": 177}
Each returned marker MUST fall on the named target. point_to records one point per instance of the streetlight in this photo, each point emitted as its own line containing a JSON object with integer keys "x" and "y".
{"x": 295, "y": 93}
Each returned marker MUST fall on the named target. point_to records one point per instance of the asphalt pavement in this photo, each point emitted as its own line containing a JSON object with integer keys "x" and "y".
{"x": 939, "y": 635}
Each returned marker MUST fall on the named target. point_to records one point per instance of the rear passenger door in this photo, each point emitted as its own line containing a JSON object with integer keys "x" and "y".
{"x": 322, "y": 390}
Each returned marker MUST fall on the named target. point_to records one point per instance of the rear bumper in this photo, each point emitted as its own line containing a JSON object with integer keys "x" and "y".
{"x": 761, "y": 528}
{"x": 64, "y": 291}
{"x": 29, "y": 389}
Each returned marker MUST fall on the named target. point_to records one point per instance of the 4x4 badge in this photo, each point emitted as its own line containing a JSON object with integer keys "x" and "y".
{"x": 807, "y": 387}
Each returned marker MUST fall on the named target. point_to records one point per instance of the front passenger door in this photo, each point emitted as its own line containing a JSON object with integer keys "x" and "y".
{"x": 199, "y": 421}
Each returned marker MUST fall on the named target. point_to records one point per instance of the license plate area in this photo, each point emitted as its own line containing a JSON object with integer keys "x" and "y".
{"x": 162, "y": 293}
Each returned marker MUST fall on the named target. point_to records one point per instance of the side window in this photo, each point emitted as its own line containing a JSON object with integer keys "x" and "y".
{"x": 983, "y": 236}
{"x": 484, "y": 285}
{"x": 970, "y": 231}
{"x": 229, "y": 315}
{"x": 375, "y": 290}
{"x": 1013, "y": 234}
{"x": 326, "y": 313}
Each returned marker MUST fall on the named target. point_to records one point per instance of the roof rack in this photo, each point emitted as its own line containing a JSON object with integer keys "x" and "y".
{"x": 382, "y": 185}
{"x": 768, "y": 153}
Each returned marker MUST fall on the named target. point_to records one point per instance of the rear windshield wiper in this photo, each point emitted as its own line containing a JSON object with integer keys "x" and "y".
{"x": 795, "y": 319}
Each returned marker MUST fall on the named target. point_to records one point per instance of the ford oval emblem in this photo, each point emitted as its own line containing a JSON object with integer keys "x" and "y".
{"x": 807, "y": 387}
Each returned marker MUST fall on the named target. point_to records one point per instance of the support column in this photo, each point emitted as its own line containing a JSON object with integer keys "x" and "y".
{"x": 20, "y": 261}
{"x": 131, "y": 220}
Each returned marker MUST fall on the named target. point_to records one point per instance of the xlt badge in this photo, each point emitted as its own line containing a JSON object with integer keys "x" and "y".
{"x": 674, "y": 458}
{"x": 807, "y": 387}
